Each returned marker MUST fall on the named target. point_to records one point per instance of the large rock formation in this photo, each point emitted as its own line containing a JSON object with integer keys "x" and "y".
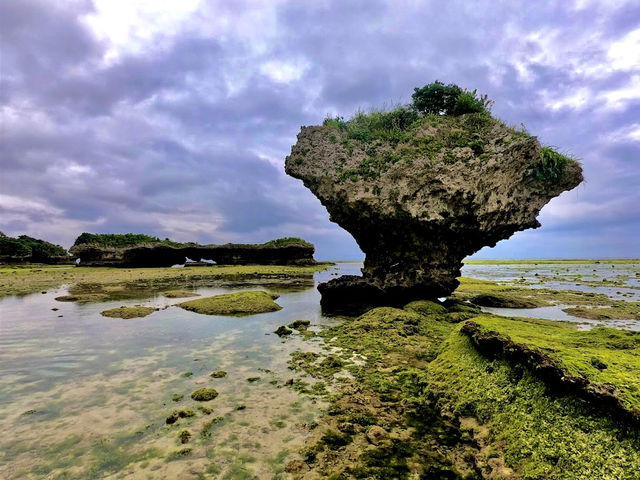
{"x": 419, "y": 200}
{"x": 165, "y": 253}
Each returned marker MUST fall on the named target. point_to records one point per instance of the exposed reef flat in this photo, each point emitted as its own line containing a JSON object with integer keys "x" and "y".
{"x": 420, "y": 197}
{"x": 129, "y": 250}
{"x": 415, "y": 395}
{"x": 598, "y": 365}
{"x": 105, "y": 283}
{"x": 240, "y": 303}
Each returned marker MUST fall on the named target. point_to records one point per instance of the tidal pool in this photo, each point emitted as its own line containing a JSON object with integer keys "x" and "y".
{"x": 84, "y": 396}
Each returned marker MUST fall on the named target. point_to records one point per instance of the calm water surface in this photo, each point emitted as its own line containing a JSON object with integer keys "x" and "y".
{"x": 75, "y": 387}
{"x": 83, "y": 396}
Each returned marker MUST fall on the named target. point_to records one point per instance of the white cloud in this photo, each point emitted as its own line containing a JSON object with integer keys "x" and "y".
{"x": 134, "y": 25}
{"x": 618, "y": 98}
{"x": 19, "y": 205}
{"x": 625, "y": 53}
{"x": 281, "y": 71}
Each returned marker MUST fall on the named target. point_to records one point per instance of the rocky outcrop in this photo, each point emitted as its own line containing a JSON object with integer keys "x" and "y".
{"x": 166, "y": 255}
{"x": 419, "y": 200}
{"x": 496, "y": 345}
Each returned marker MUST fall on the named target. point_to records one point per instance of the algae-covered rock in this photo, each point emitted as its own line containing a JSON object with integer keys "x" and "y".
{"x": 241, "y": 303}
{"x": 503, "y": 301}
{"x": 419, "y": 197}
{"x": 82, "y": 297}
{"x": 204, "y": 394}
{"x": 283, "y": 331}
{"x": 218, "y": 374}
{"x": 178, "y": 414}
{"x": 180, "y": 294}
{"x": 128, "y": 312}
{"x": 425, "y": 307}
{"x": 299, "y": 324}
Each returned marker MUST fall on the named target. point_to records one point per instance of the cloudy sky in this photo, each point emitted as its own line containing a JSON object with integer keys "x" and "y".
{"x": 173, "y": 118}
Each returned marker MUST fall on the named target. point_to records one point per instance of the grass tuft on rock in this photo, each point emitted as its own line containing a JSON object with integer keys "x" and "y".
{"x": 241, "y": 303}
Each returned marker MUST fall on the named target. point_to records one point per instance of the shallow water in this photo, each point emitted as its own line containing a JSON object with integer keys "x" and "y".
{"x": 83, "y": 396}
{"x": 96, "y": 390}
{"x": 617, "y": 281}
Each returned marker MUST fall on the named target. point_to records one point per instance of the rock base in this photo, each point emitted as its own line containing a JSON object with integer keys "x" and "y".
{"x": 353, "y": 295}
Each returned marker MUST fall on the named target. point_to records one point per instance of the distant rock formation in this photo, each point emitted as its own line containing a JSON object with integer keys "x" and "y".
{"x": 141, "y": 251}
{"x": 421, "y": 197}
{"x": 26, "y": 249}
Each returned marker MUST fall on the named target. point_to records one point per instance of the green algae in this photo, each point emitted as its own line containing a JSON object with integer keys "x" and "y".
{"x": 22, "y": 280}
{"x": 82, "y": 298}
{"x": 473, "y": 287}
{"x": 178, "y": 414}
{"x": 204, "y": 394}
{"x": 128, "y": 312}
{"x": 283, "y": 331}
{"x": 208, "y": 426}
{"x": 453, "y": 413}
{"x": 184, "y": 436}
{"x": 180, "y": 294}
{"x": 218, "y": 374}
{"x": 505, "y": 301}
{"x": 179, "y": 454}
{"x": 616, "y": 311}
{"x": 425, "y": 307}
{"x": 540, "y": 436}
{"x": 240, "y": 303}
{"x": 580, "y": 352}
{"x": 299, "y": 324}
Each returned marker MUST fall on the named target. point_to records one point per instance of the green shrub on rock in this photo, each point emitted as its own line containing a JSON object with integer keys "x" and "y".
{"x": 439, "y": 99}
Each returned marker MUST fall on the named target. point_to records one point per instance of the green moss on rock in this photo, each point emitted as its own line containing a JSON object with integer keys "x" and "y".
{"x": 425, "y": 307}
{"x": 538, "y": 435}
{"x": 128, "y": 312}
{"x": 178, "y": 414}
{"x": 204, "y": 394}
{"x": 241, "y": 303}
{"x": 180, "y": 294}
{"x": 573, "y": 350}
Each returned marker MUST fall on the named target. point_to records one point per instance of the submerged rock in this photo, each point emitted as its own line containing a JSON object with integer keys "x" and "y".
{"x": 421, "y": 198}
